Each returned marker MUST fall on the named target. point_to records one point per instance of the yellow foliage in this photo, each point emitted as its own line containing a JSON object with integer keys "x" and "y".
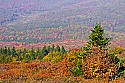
{"x": 54, "y": 57}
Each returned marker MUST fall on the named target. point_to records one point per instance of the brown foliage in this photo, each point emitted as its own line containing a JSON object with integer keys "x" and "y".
{"x": 60, "y": 68}
{"x": 27, "y": 70}
{"x": 98, "y": 64}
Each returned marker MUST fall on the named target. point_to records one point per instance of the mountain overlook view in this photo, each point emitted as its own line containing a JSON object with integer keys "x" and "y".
{"x": 62, "y": 41}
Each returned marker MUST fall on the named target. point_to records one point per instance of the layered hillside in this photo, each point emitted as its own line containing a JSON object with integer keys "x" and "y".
{"x": 21, "y": 18}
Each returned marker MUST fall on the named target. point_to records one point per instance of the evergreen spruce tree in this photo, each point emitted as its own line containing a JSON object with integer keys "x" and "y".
{"x": 63, "y": 50}
{"x": 98, "y": 59}
{"x": 32, "y": 54}
{"x": 97, "y": 37}
{"x": 53, "y": 48}
{"x": 13, "y": 51}
{"x": 57, "y": 48}
{"x": 1, "y": 50}
{"x": 44, "y": 52}
{"x": 24, "y": 51}
{"x": 5, "y": 50}
{"x": 19, "y": 55}
{"x": 37, "y": 52}
{"x": 48, "y": 48}
{"x": 8, "y": 51}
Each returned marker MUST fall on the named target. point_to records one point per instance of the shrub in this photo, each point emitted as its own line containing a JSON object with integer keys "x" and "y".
{"x": 54, "y": 57}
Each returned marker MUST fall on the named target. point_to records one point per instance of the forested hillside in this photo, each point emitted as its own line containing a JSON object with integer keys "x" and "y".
{"x": 94, "y": 62}
{"x": 62, "y": 41}
{"x": 40, "y": 21}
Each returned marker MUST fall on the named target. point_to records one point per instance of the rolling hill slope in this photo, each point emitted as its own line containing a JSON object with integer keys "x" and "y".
{"x": 24, "y": 16}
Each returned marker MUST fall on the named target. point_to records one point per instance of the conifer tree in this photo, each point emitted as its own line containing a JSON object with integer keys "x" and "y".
{"x": 5, "y": 50}
{"x": 57, "y": 48}
{"x": 48, "y": 48}
{"x": 63, "y": 50}
{"x": 19, "y": 55}
{"x": 37, "y": 52}
{"x": 32, "y": 54}
{"x": 44, "y": 52}
{"x": 8, "y": 51}
{"x": 53, "y": 48}
{"x": 97, "y": 37}
{"x": 13, "y": 51}
{"x": 24, "y": 51}
{"x": 1, "y": 50}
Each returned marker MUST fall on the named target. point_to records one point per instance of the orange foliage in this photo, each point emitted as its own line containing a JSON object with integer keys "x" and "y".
{"x": 98, "y": 64}
{"x": 60, "y": 68}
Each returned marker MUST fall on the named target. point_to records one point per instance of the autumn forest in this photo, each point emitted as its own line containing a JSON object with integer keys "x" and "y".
{"x": 92, "y": 63}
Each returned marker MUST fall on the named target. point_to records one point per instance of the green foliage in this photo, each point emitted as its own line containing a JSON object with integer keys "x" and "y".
{"x": 57, "y": 49}
{"x": 54, "y": 57}
{"x": 117, "y": 50}
{"x": 97, "y": 37}
{"x": 44, "y": 52}
{"x": 24, "y": 51}
{"x": 5, "y": 59}
{"x": 77, "y": 70}
{"x": 8, "y": 51}
{"x": 76, "y": 56}
{"x": 53, "y": 48}
{"x": 115, "y": 58}
{"x": 98, "y": 62}
{"x": 13, "y": 51}
{"x": 86, "y": 48}
{"x": 27, "y": 58}
{"x": 81, "y": 54}
{"x": 32, "y": 54}
{"x": 55, "y": 54}
{"x": 63, "y": 50}
{"x": 1, "y": 50}
{"x": 6, "y": 54}
{"x": 5, "y": 50}
{"x": 49, "y": 48}
{"x": 38, "y": 52}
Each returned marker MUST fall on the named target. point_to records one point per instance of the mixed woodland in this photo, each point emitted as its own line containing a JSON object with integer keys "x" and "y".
{"x": 92, "y": 63}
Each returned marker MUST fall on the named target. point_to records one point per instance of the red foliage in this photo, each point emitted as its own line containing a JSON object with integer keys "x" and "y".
{"x": 60, "y": 68}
